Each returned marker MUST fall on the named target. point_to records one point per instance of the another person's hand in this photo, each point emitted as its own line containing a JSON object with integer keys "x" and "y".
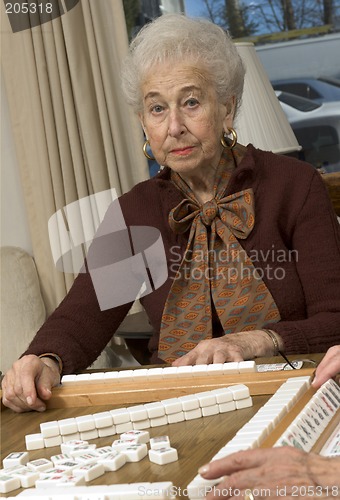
{"x": 328, "y": 367}
{"x": 29, "y": 382}
{"x": 235, "y": 347}
{"x": 276, "y": 473}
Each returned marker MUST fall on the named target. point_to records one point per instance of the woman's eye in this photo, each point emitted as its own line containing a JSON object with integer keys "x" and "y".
{"x": 157, "y": 109}
{"x": 191, "y": 102}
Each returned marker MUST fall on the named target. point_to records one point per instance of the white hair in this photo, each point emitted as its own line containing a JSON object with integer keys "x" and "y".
{"x": 175, "y": 37}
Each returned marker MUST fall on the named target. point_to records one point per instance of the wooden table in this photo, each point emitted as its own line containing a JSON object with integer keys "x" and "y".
{"x": 197, "y": 441}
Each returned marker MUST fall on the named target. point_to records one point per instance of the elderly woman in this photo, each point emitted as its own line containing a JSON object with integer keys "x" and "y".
{"x": 251, "y": 240}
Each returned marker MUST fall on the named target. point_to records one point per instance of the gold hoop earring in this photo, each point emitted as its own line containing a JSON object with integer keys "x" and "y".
{"x": 145, "y": 145}
{"x": 234, "y": 141}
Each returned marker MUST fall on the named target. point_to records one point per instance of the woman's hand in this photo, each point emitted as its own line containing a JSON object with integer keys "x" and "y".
{"x": 234, "y": 347}
{"x": 275, "y": 473}
{"x": 29, "y": 382}
{"x": 329, "y": 366}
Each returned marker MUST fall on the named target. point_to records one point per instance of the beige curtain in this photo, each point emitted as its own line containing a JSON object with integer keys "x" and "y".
{"x": 74, "y": 134}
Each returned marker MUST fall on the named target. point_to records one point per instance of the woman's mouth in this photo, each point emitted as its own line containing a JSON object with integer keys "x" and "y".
{"x": 182, "y": 151}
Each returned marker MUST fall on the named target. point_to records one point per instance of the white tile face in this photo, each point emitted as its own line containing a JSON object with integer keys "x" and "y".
{"x": 135, "y": 452}
{"x": 88, "y": 435}
{"x": 87, "y": 458}
{"x": 59, "y": 480}
{"x": 68, "y": 465}
{"x": 199, "y": 487}
{"x": 103, "y": 451}
{"x": 48, "y": 481}
{"x": 96, "y": 377}
{"x": 199, "y": 370}
{"x": 173, "y": 418}
{"x": 40, "y": 464}
{"x": 141, "y": 374}
{"x": 185, "y": 371}
{"x": 223, "y": 395}
{"x": 120, "y": 416}
{"x": 107, "y": 431}
{"x": 67, "y": 446}
{"x": 159, "y": 442}
{"x": 54, "y": 471}
{"x": 90, "y": 472}
{"x": 172, "y": 405}
{"x": 81, "y": 450}
{"x": 206, "y": 398}
{"x": 34, "y": 441}
{"x": 71, "y": 437}
{"x": 52, "y": 441}
{"x": 67, "y": 426}
{"x": 56, "y": 459}
{"x": 160, "y": 491}
{"x": 207, "y": 411}
{"x": 215, "y": 369}
{"x": 225, "y": 407}
{"x": 119, "y": 444}
{"x": 68, "y": 379}
{"x": 82, "y": 378}
{"x": 189, "y": 402}
{"x": 85, "y": 423}
{"x": 8, "y": 483}
{"x": 125, "y": 376}
{"x": 50, "y": 429}
{"x": 295, "y": 380}
{"x": 230, "y": 368}
{"x": 113, "y": 461}
{"x": 192, "y": 414}
{"x": 14, "y": 468}
{"x": 110, "y": 377}
{"x": 163, "y": 456}
{"x": 103, "y": 419}
{"x": 239, "y": 391}
{"x": 120, "y": 428}
{"x": 247, "y": 367}
{"x": 70, "y": 481}
{"x": 155, "y": 373}
{"x": 157, "y": 422}
{"x": 154, "y": 410}
{"x": 170, "y": 372}
{"x": 141, "y": 425}
{"x": 244, "y": 403}
{"x": 27, "y": 477}
{"x": 15, "y": 458}
{"x": 137, "y": 436}
{"x": 138, "y": 413}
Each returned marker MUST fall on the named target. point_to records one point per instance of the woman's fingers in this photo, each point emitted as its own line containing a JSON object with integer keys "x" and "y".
{"x": 28, "y": 383}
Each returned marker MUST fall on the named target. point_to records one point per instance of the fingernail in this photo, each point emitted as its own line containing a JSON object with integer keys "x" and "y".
{"x": 41, "y": 408}
{"x": 204, "y": 469}
{"x": 29, "y": 400}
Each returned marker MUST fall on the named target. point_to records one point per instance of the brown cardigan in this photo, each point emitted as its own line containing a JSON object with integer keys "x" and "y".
{"x": 294, "y": 216}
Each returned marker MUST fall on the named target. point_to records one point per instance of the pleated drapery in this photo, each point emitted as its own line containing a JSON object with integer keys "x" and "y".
{"x": 73, "y": 132}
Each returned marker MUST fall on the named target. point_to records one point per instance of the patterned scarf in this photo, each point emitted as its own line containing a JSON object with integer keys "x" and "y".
{"x": 215, "y": 268}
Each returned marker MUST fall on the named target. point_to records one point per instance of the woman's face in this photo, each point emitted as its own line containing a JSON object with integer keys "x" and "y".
{"x": 183, "y": 119}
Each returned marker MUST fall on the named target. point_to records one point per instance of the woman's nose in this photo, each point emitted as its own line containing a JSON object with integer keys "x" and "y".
{"x": 176, "y": 123}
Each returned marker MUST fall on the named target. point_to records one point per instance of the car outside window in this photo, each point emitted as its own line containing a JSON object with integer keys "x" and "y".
{"x": 320, "y": 144}
{"x": 301, "y": 89}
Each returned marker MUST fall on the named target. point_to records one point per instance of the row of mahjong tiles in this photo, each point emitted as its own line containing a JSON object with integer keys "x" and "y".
{"x": 285, "y": 397}
{"x": 141, "y": 417}
{"x": 231, "y": 368}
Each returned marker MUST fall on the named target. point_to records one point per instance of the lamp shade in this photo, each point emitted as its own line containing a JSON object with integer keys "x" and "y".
{"x": 261, "y": 120}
